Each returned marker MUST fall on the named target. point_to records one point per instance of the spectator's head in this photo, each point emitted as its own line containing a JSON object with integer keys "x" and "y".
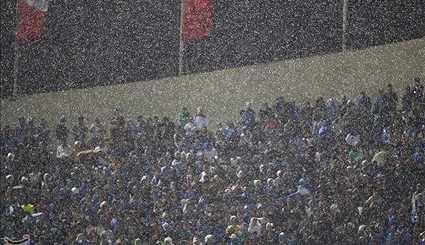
{"x": 168, "y": 241}
{"x": 199, "y": 111}
{"x": 248, "y": 105}
{"x": 62, "y": 119}
{"x": 138, "y": 241}
{"x": 282, "y": 238}
{"x": 81, "y": 120}
{"x": 196, "y": 241}
{"x": 21, "y": 121}
{"x": 209, "y": 240}
{"x": 390, "y": 87}
{"x": 233, "y": 220}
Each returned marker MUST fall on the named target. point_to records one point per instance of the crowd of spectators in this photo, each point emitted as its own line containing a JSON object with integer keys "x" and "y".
{"x": 335, "y": 171}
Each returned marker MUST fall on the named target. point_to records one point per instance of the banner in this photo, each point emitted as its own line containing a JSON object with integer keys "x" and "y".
{"x": 198, "y": 19}
{"x": 31, "y": 19}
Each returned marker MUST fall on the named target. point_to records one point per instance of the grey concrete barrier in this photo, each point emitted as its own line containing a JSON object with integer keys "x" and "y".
{"x": 222, "y": 93}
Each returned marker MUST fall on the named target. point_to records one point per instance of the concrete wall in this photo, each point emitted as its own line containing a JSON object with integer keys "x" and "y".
{"x": 222, "y": 93}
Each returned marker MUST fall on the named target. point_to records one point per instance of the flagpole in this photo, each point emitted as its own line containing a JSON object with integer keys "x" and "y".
{"x": 16, "y": 58}
{"x": 15, "y": 70}
{"x": 344, "y": 24}
{"x": 181, "y": 47}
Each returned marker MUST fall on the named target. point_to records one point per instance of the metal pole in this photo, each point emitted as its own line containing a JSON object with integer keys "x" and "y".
{"x": 344, "y": 24}
{"x": 181, "y": 47}
{"x": 16, "y": 56}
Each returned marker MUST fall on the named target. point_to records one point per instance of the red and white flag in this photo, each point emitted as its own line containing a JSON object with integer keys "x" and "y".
{"x": 198, "y": 18}
{"x": 31, "y": 19}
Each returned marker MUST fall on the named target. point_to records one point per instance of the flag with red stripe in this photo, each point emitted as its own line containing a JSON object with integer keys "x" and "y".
{"x": 31, "y": 19}
{"x": 198, "y": 18}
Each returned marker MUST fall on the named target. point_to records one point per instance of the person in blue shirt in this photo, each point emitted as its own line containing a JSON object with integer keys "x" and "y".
{"x": 248, "y": 116}
{"x": 418, "y": 157}
{"x": 364, "y": 102}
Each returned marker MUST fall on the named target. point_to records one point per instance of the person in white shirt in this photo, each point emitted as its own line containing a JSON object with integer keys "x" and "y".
{"x": 189, "y": 128}
{"x": 418, "y": 204}
{"x": 63, "y": 151}
{"x": 200, "y": 120}
{"x": 256, "y": 225}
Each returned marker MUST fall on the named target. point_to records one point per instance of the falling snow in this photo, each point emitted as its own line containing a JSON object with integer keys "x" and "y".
{"x": 348, "y": 168}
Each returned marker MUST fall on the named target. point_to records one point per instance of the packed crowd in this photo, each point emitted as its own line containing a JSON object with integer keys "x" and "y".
{"x": 329, "y": 172}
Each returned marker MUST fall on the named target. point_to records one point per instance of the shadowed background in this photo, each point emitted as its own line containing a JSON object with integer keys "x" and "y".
{"x": 97, "y": 42}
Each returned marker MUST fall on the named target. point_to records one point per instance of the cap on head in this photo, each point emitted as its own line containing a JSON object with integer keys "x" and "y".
{"x": 209, "y": 239}
{"x": 168, "y": 241}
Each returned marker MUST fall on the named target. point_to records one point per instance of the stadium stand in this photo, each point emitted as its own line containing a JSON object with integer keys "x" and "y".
{"x": 348, "y": 171}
